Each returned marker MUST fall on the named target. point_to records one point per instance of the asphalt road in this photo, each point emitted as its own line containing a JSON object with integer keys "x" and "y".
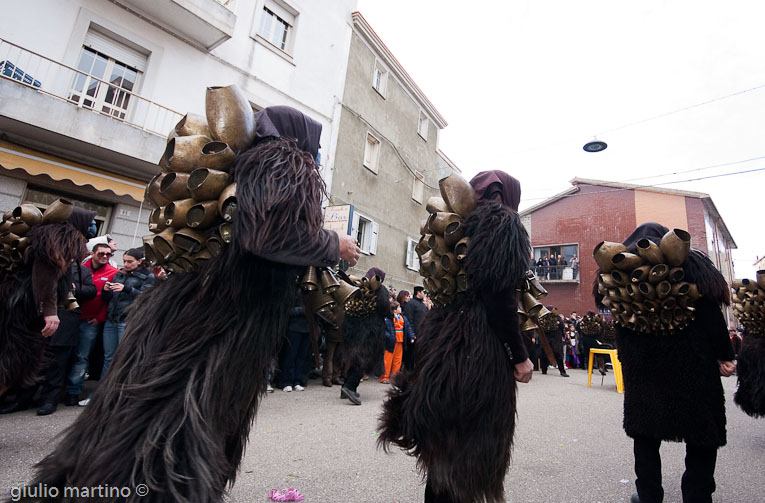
{"x": 569, "y": 447}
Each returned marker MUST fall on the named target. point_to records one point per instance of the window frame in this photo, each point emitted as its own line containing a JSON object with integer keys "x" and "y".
{"x": 82, "y": 80}
{"x": 412, "y": 260}
{"x": 418, "y": 187}
{"x": 370, "y": 231}
{"x": 278, "y": 11}
{"x": 380, "y": 85}
{"x": 371, "y": 159}
{"x": 423, "y": 125}
{"x": 559, "y": 246}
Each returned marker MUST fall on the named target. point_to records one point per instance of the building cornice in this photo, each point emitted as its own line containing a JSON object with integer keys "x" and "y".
{"x": 361, "y": 26}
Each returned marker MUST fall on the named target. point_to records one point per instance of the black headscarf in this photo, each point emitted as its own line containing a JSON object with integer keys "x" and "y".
{"x": 286, "y": 122}
{"x": 649, "y": 230}
{"x": 489, "y": 183}
{"x": 80, "y": 219}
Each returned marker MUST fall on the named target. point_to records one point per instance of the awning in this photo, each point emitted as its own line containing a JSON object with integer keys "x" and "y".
{"x": 36, "y": 163}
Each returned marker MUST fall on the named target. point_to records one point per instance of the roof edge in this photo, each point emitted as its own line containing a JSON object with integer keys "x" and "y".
{"x": 369, "y": 34}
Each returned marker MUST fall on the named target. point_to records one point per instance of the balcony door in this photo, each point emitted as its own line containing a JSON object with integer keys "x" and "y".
{"x": 109, "y": 72}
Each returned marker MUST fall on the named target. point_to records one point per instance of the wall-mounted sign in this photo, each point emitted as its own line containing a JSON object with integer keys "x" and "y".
{"x": 339, "y": 218}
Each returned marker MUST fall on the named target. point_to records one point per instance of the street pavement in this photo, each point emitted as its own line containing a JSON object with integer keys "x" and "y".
{"x": 569, "y": 447}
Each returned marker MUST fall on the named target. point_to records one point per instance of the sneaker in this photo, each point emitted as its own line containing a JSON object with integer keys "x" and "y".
{"x": 269, "y": 389}
{"x": 353, "y": 396}
{"x": 84, "y": 403}
{"x": 299, "y": 387}
{"x": 71, "y": 400}
{"x": 288, "y": 389}
{"x": 385, "y": 381}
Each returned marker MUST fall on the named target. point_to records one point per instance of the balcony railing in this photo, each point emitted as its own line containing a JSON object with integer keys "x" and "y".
{"x": 562, "y": 273}
{"x": 69, "y": 84}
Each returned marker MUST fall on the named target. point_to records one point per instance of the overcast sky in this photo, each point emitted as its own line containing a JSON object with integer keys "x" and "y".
{"x": 525, "y": 84}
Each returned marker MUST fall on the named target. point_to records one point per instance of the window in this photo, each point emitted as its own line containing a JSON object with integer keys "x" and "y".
{"x": 108, "y": 74}
{"x": 412, "y": 260}
{"x": 277, "y": 25}
{"x": 365, "y": 231}
{"x": 418, "y": 187}
{"x": 422, "y": 125}
{"x": 548, "y": 265}
{"x": 371, "y": 153}
{"x": 380, "y": 78}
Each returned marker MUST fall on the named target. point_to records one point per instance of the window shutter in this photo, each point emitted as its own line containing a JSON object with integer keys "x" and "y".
{"x": 355, "y": 224}
{"x": 113, "y": 49}
{"x": 373, "y": 238}
{"x": 409, "y": 252}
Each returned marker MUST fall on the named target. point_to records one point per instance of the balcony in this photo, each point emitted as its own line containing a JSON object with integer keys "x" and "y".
{"x": 48, "y": 105}
{"x": 207, "y": 23}
{"x": 557, "y": 274}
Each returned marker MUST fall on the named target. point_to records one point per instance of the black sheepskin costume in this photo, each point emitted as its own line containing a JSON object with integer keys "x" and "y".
{"x": 750, "y": 395}
{"x": 672, "y": 387}
{"x": 51, "y": 251}
{"x": 456, "y": 410}
{"x": 364, "y": 337}
{"x": 175, "y": 410}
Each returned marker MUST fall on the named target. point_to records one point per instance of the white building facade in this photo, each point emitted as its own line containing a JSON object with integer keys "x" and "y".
{"x": 90, "y": 88}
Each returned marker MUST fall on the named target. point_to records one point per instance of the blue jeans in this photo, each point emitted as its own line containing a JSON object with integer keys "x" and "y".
{"x": 88, "y": 334}
{"x": 112, "y": 337}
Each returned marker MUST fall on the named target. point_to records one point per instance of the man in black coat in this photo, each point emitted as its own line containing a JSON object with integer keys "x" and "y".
{"x": 414, "y": 311}
{"x": 59, "y": 350}
{"x": 672, "y": 387}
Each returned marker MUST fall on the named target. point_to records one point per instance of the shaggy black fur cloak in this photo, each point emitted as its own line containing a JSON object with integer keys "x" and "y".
{"x": 456, "y": 410}
{"x": 750, "y": 395}
{"x": 672, "y": 387}
{"x": 52, "y": 249}
{"x": 176, "y": 407}
{"x": 364, "y": 337}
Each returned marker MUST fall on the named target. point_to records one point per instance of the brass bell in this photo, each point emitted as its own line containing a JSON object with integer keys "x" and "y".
{"x": 344, "y": 292}
{"x": 650, "y": 251}
{"x": 310, "y": 281}
{"x": 531, "y": 305}
{"x": 70, "y": 302}
{"x": 329, "y": 282}
{"x": 188, "y": 240}
{"x": 528, "y": 325}
{"x": 534, "y": 285}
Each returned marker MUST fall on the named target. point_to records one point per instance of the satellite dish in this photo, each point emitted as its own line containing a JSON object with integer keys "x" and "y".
{"x": 595, "y": 146}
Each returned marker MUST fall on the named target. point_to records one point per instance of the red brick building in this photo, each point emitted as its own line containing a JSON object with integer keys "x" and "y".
{"x": 572, "y": 222}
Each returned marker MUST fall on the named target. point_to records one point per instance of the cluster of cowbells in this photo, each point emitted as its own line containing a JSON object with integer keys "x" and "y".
{"x": 324, "y": 291}
{"x": 646, "y": 291}
{"x": 532, "y": 313}
{"x": 443, "y": 247}
{"x": 18, "y": 222}
{"x": 591, "y": 325}
{"x": 749, "y": 303}
{"x": 194, "y": 197}
{"x": 609, "y": 330}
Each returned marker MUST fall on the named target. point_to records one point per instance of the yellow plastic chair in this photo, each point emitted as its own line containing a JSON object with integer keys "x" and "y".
{"x": 614, "y": 361}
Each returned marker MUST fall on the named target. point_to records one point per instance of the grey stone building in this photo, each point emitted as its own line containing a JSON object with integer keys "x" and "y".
{"x": 387, "y": 160}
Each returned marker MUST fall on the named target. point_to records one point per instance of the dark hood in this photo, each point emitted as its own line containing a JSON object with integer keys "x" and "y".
{"x": 80, "y": 219}
{"x": 649, "y": 230}
{"x": 286, "y": 122}
{"x": 488, "y": 183}
{"x": 375, "y": 271}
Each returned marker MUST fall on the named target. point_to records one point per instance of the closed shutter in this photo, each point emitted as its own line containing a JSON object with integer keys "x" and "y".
{"x": 409, "y": 252}
{"x": 115, "y": 50}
